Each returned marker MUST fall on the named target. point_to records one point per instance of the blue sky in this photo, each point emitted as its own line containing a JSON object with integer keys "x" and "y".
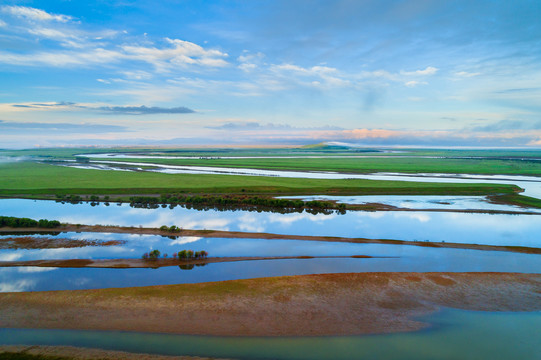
{"x": 430, "y": 73}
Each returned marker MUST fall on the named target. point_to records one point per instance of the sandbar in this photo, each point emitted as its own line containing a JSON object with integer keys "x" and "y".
{"x": 307, "y": 305}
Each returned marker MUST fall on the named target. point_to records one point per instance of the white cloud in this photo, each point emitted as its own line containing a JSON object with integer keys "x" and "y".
{"x": 164, "y": 59}
{"x": 17, "y": 286}
{"x": 136, "y": 75}
{"x": 314, "y": 70}
{"x": 185, "y": 240}
{"x": 50, "y": 33}
{"x": 467, "y": 74}
{"x": 34, "y": 14}
{"x": 250, "y": 58}
{"x": 3, "y": 23}
{"x": 247, "y": 67}
{"x": 81, "y": 48}
{"x": 249, "y": 62}
{"x": 322, "y": 76}
{"x": 182, "y": 53}
{"x": 414, "y": 83}
{"x": 377, "y": 74}
{"x": 97, "y": 56}
{"x": 430, "y": 70}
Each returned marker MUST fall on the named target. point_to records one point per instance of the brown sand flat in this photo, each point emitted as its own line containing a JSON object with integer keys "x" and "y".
{"x": 270, "y": 236}
{"x": 70, "y": 352}
{"x": 326, "y": 304}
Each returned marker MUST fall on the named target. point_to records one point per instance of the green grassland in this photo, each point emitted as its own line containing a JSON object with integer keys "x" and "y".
{"x": 369, "y": 165}
{"x": 29, "y": 178}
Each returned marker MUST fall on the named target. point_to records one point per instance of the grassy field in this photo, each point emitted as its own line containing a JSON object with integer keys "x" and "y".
{"x": 28, "y": 178}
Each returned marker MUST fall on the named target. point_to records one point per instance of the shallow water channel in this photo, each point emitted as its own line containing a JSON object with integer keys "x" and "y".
{"x": 454, "y": 334}
{"x": 386, "y": 258}
{"x": 520, "y": 230}
{"x": 478, "y": 228}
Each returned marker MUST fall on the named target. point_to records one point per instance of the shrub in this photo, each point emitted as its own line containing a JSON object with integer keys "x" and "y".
{"x": 154, "y": 254}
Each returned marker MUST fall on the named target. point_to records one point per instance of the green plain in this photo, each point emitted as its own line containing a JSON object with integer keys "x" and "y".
{"x": 29, "y": 178}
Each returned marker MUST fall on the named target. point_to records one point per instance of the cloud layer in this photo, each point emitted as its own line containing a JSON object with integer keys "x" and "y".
{"x": 374, "y": 72}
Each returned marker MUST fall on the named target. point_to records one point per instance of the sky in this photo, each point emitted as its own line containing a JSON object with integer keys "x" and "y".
{"x": 183, "y": 73}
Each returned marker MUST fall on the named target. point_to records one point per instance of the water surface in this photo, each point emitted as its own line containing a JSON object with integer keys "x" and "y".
{"x": 490, "y": 229}
{"x": 455, "y": 334}
{"x": 420, "y": 202}
{"x": 390, "y": 258}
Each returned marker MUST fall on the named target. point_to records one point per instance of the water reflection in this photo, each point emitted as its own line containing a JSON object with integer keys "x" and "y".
{"x": 494, "y": 229}
{"x": 420, "y": 202}
{"x": 398, "y": 258}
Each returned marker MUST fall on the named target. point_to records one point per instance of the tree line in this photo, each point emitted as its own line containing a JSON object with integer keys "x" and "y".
{"x": 181, "y": 255}
{"x": 26, "y": 222}
{"x": 231, "y": 202}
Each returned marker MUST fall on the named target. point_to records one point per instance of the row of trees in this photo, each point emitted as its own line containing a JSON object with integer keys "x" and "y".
{"x": 190, "y": 254}
{"x": 220, "y": 203}
{"x": 181, "y": 255}
{"x": 26, "y": 222}
{"x": 172, "y": 228}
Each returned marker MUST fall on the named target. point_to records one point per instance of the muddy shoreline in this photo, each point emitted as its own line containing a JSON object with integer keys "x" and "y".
{"x": 308, "y": 305}
{"x": 269, "y": 236}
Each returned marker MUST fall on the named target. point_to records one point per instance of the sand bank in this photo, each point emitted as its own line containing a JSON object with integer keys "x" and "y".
{"x": 327, "y": 304}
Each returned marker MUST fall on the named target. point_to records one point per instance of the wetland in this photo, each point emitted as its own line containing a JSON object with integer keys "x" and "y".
{"x": 412, "y": 247}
